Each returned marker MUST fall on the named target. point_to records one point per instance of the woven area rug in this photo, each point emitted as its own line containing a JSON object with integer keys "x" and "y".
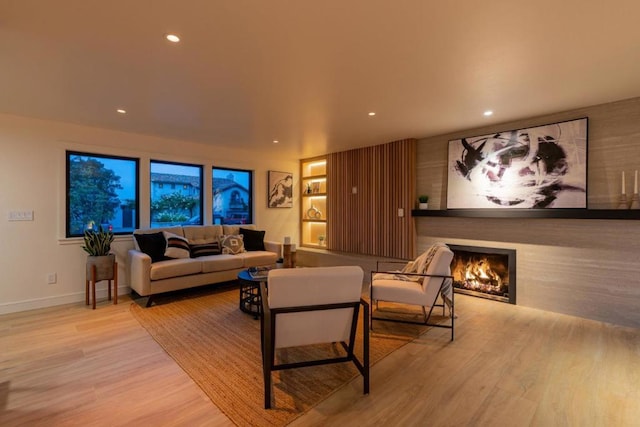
{"x": 204, "y": 331}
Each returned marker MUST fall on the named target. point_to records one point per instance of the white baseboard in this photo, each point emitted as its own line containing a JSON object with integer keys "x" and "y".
{"x": 32, "y": 304}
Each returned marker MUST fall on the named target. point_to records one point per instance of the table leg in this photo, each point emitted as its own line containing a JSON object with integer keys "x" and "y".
{"x": 115, "y": 283}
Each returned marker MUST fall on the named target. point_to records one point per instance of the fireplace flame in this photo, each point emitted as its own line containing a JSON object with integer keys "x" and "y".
{"x": 478, "y": 276}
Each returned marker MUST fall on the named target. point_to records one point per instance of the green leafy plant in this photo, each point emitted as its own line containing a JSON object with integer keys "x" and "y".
{"x": 97, "y": 242}
{"x": 423, "y": 198}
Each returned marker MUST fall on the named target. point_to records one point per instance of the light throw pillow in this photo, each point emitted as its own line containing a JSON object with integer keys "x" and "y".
{"x": 232, "y": 244}
{"x": 205, "y": 249}
{"x": 152, "y": 244}
{"x": 177, "y": 246}
{"x": 253, "y": 239}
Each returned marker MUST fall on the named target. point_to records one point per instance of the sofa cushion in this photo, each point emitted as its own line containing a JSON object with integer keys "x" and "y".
{"x": 199, "y": 234}
{"x": 177, "y": 246}
{"x": 253, "y": 239}
{"x": 205, "y": 249}
{"x": 257, "y": 258}
{"x": 175, "y": 268}
{"x": 232, "y": 244}
{"x": 152, "y": 244}
{"x": 235, "y": 229}
{"x": 220, "y": 263}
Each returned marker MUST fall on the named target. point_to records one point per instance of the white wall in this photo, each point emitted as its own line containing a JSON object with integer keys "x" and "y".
{"x": 32, "y": 177}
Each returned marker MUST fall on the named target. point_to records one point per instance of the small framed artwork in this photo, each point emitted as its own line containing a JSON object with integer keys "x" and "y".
{"x": 280, "y": 189}
{"x": 541, "y": 167}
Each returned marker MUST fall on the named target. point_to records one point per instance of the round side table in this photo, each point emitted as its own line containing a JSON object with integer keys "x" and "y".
{"x": 250, "y": 298}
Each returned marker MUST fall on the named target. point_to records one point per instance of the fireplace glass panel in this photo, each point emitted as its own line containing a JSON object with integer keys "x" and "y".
{"x": 484, "y": 272}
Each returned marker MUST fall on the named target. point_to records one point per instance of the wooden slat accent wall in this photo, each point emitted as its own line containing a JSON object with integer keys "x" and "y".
{"x": 367, "y": 222}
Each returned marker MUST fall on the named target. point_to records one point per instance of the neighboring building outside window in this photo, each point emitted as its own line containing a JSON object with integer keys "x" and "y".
{"x": 232, "y": 198}
{"x": 101, "y": 191}
{"x": 173, "y": 204}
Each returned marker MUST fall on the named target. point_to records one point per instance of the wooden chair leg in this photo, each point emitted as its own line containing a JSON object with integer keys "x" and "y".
{"x": 86, "y": 291}
{"x": 109, "y": 289}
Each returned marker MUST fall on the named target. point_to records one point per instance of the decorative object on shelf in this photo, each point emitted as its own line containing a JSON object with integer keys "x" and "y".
{"x": 541, "y": 167}
{"x": 308, "y": 190}
{"x": 314, "y": 213}
{"x": 101, "y": 265}
{"x": 623, "y": 203}
{"x": 280, "y": 193}
{"x": 316, "y": 187}
{"x": 423, "y": 201}
{"x": 321, "y": 240}
{"x": 635, "y": 199}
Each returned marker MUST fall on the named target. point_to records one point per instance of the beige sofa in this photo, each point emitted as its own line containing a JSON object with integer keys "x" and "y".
{"x": 151, "y": 278}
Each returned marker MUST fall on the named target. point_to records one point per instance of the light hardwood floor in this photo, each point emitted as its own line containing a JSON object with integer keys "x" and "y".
{"x": 509, "y": 366}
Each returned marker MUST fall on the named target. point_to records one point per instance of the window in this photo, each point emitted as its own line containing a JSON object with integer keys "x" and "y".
{"x": 173, "y": 204}
{"x": 101, "y": 190}
{"x": 232, "y": 196}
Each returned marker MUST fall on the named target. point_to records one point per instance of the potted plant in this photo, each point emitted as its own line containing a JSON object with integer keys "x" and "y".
{"x": 97, "y": 243}
{"x": 423, "y": 201}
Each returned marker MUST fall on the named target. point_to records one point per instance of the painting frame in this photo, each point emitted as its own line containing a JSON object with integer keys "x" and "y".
{"x": 279, "y": 189}
{"x": 533, "y": 168}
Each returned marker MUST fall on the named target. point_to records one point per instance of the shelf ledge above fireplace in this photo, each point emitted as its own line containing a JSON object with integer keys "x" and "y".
{"x": 531, "y": 213}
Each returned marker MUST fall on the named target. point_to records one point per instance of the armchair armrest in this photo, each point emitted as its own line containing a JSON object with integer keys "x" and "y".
{"x": 378, "y": 263}
{"x": 139, "y": 272}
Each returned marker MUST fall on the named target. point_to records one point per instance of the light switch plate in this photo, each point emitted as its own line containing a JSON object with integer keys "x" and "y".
{"x": 20, "y": 215}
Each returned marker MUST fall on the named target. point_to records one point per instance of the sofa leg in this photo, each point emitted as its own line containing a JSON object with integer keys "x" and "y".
{"x": 149, "y": 301}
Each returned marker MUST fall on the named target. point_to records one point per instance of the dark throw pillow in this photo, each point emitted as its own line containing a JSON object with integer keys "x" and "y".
{"x": 205, "y": 249}
{"x": 152, "y": 244}
{"x": 253, "y": 239}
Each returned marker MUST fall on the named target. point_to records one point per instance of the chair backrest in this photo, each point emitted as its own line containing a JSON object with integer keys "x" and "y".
{"x": 296, "y": 287}
{"x": 440, "y": 264}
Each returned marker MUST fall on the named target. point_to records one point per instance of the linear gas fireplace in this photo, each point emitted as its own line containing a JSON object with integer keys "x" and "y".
{"x": 484, "y": 272}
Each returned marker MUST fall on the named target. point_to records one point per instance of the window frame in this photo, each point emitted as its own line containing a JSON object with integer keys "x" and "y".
{"x": 68, "y": 155}
{"x": 173, "y": 187}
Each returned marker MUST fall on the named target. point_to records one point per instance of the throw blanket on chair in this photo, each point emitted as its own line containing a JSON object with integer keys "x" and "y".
{"x": 420, "y": 266}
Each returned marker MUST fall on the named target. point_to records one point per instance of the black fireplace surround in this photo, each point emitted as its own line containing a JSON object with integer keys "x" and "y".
{"x": 484, "y": 272}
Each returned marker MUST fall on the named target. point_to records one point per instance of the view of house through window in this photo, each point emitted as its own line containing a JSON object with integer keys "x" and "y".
{"x": 232, "y": 196}
{"x": 101, "y": 191}
{"x": 176, "y": 194}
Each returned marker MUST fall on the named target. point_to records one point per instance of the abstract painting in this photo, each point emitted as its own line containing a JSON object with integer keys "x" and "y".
{"x": 280, "y": 192}
{"x": 540, "y": 167}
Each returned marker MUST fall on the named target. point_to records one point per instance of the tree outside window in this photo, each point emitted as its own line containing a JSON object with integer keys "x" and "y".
{"x": 101, "y": 190}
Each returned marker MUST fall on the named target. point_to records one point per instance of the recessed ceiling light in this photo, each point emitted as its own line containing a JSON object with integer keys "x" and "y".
{"x": 372, "y": 113}
{"x": 488, "y": 113}
{"x": 275, "y": 141}
{"x": 172, "y": 38}
{"x": 121, "y": 111}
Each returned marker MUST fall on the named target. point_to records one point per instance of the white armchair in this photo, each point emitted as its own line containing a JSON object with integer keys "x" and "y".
{"x": 421, "y": 282}
{"x": 304, "y": 306}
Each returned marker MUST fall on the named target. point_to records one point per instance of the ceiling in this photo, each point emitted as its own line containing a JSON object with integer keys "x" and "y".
{"x": 307, "y": 73}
